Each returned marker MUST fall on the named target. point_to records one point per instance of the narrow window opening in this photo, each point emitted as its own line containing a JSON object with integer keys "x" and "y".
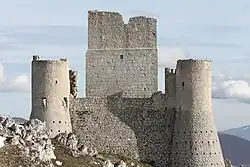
{"x": 121, "y": 57}
{"x": 66, "y": 101}
{"x": 59, "y": 122}
{"x": 44, "y": 101}
{"x": 182, "y": 85}
{"x": 56, "y": 81}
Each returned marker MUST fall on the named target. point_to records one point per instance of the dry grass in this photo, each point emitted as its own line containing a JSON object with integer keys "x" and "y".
{"x": 10, "y": 157}
{"x": 63, "y": 155}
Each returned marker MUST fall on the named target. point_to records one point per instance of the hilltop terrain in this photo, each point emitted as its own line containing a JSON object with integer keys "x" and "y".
{"x": 29, "y": 145}
{"x": 12, "y": 155}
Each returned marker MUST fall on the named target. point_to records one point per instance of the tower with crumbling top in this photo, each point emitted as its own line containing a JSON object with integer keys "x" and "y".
{"x": 121, "y": 57}
{"x": 195, "y": 140}
{"x": 50, "y": 94}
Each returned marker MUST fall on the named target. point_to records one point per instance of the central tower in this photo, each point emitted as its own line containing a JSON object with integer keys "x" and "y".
{"x": 121, "y": 57}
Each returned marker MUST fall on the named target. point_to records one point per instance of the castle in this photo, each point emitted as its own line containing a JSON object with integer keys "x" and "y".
{"x": 123, "y": 113}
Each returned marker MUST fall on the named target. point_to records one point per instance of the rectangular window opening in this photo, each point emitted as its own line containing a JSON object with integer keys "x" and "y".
{"x": 44, "y": 101}
{"x": 66, "y": 101}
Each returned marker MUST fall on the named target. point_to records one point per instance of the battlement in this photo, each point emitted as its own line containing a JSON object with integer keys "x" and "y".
{"x": 107, "y": 30}
{"x": 191, "y": 63}
{"x": 169, "y": 71}
{"x": 139, "y": 19}
{"x": 141, "y": 32}
{"x": 43, "y": 63}
{"x": 170, "y": 86}
{"x": 35, "y": 57}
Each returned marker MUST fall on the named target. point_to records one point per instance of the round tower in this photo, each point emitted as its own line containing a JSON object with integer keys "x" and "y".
{"x": 195, "y": 140}
{"x": 50, "y": 94}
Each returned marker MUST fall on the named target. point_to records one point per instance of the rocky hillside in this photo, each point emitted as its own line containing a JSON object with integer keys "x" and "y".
{"x": 29, "y": 145}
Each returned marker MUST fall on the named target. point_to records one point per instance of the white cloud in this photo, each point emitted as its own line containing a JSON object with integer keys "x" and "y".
{"x": 17, "y": 84}
{"x": 168, "y": 57}
{"x": 224, "y": 87}
{"x": 231, "y": 88}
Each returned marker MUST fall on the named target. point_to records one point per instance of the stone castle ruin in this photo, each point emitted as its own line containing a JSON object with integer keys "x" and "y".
{"x": 123, "y": 112}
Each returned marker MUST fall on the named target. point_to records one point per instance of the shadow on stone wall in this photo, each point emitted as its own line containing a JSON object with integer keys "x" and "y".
{"x": 141, "y": 127}
{"x": 150, "y": 120}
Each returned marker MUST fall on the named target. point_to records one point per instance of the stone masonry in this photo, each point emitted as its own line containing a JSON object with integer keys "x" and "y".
{"x": 122, "y": 112}
{"x": 50, "y": 94}
{"x": 121, "y": 57}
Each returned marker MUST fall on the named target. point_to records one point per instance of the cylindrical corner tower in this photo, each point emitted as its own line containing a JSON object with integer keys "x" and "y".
{"x": 195, "y": 139}
{"x": 50, "y": 94}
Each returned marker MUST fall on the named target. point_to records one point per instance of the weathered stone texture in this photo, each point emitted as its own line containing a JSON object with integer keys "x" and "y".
{"x": 121, "y": 57}
{"x": 123, "y": 113}
{"x": 50, "y": 94}
{"x": 170, "y": 87}
{"x": 73, "y": 83}
{"x": 106, "y": 30}
{"x": 135, "y": 73}
{"x": 138, "y": 127}
{"x": 141, "y": 32}
{"x": 195, "y": 139}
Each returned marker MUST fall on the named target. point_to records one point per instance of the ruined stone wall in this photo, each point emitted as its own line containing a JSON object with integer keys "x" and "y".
{"x": 50, "y": 94}
{"x": 195, "y": 140}
{"x": 134, "y": 126}
{"x": 73, "y": 80}
{"x": 170, "y": 87}
{"x": 121, "y": 57}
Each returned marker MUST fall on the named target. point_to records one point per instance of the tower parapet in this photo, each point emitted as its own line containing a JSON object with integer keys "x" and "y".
{"x": 195, "y": 139}
{"x": 105, "y": 30}
{"x": 170, "y": 87}
{"x": 121, "y": 57}
{"x": 141, "y": 32}
{"x": 35, "y": 57}
{"x": 50, "y": 94}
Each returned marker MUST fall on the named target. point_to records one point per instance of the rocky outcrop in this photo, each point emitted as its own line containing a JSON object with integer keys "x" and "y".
{"x": 32, "y": 138}
{"x": 69, "y": 141}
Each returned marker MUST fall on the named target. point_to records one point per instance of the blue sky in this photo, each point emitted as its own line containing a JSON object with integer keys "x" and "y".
{"x": 207, "y": 29}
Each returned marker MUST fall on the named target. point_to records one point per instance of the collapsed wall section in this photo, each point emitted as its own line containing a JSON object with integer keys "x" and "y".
{"x": 134, "y": 126}
{"x": 195, "y": 140}
{"x": 50, "y": 94}
{"x": 73, "y": 80}
{"x": 141, "y": 32}
{"x": 121, "y": 57}
{"x": 105, "y": 30}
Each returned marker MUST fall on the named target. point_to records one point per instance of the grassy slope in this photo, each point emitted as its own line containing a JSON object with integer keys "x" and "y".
{"x": 10, "y": 157}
